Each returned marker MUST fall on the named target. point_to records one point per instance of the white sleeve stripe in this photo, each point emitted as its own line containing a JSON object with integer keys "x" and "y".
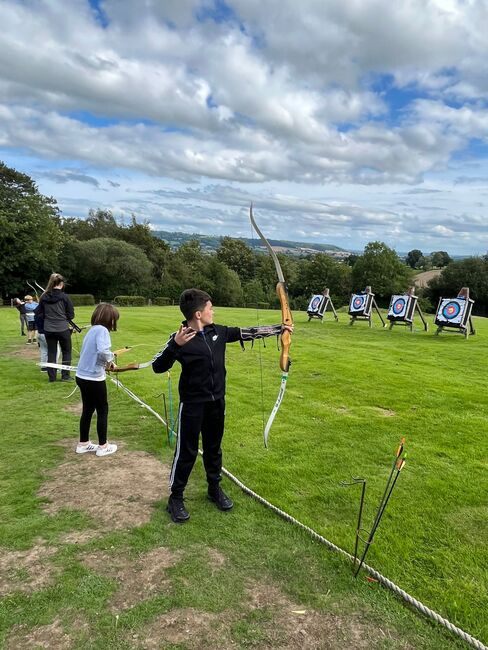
{"x": 158, "y": 354}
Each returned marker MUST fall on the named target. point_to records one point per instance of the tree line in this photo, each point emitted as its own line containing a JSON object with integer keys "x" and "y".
{"x": 106, "y": 257}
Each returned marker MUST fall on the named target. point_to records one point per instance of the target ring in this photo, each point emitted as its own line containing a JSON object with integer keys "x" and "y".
{"x": 399, "y": 306}
{"x": 451, "y": 310}
{"x": 358, "y": 302}
{"x": 315, "y": 303}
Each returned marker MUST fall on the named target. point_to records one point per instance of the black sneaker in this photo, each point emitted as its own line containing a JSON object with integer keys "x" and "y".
{"x": 177, "y": 510}
{"x": 220, "y": 499}
{"x": 67, "y": 379}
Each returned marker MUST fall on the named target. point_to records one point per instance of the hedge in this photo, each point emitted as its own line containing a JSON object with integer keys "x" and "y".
{"x": 130, "y": 301}
{"x": 82, "y": 299}
{"x": 161, "y": 301}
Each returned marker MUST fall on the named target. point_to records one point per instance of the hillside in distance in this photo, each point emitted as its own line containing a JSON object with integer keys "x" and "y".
{"x": 210, "y": 243}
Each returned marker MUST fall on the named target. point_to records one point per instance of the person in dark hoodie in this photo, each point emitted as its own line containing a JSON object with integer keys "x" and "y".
{"x": 57, "y": 310}
{"x": 20, "y": 305}
{"x": 199, "y": 346}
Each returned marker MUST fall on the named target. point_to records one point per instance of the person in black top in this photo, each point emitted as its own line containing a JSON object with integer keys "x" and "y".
{"x": 20, "y": 305}
{"x": 57, "y": 311}
{"x": 199, "y": 346}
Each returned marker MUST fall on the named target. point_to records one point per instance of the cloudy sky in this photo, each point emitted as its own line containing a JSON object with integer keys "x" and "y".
{"x": 344, "y": 121}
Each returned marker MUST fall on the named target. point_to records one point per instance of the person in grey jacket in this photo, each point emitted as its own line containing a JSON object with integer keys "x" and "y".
{"x": 57, "y": 310}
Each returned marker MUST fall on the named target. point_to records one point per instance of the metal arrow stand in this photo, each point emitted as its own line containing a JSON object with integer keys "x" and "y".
{"x": 398, "y": 464}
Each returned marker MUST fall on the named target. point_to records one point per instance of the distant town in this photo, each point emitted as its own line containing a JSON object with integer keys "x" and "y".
{"x": 210, "y": 244}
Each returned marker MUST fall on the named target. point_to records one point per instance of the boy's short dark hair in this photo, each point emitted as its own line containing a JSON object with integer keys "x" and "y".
{"x": 193, "y": 300}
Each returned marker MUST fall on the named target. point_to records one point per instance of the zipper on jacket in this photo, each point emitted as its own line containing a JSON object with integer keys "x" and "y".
{"x": 211, "y": 365}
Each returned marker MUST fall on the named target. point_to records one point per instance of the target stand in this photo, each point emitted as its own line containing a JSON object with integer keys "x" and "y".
{"x": 402, "y": 310}
{"x": 454, "y": 314}
{"x": 361, "y": 307}
{"x": 319, "y": 304}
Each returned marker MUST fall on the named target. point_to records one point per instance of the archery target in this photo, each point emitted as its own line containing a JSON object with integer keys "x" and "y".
{"x": 314, "y": 304}
{"x": 360, "y": 304}
{"x": 399, "y": 307}
{"x": 451, "y": 312}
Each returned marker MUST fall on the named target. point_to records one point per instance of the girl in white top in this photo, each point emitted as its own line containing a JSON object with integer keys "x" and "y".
{"x": 95, "y": 358}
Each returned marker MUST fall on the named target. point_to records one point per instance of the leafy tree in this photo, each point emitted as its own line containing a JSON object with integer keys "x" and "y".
{"x": 99, "y": 223}
{"x": 352, "y": 259}
{"x": 109, "y": 267}
{"x": 253, "y": 292}
{"x": 237, "y": 255}
{"x": 222, "y": 283}
{"x": 440, "y": 259}
{"x": 413, "y": 257}
{"x": 320, "y": 271}
{"x": 471, "y": 272}
{"x": 424, "y": 263}
{"x": 381, "y": 268}
{"x": 30, "y": 238}
{"x": 156, "y": 250}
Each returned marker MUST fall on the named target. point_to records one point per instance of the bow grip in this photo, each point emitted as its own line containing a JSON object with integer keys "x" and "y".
{"x": 286, "y": 319}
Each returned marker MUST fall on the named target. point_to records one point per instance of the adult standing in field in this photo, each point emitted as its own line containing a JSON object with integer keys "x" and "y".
{"x": 199, "y": 346}
{"x": 56, "y": 309}
{"x": 95, "y": 358}
{"x": 20, "y": 306}
{"x": 30, "y": 307}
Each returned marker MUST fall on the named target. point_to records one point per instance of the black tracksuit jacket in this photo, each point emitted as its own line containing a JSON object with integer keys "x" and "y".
{"x": 202, "y": 359}
{"x": 202, "y": 362}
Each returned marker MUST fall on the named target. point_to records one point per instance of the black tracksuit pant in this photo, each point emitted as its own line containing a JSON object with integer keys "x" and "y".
{"x": 52, "y": 340}
{"x": 207, "y": 418}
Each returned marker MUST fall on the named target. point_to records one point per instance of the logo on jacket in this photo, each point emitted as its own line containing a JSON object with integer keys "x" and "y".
{"x": 215, "y": 337}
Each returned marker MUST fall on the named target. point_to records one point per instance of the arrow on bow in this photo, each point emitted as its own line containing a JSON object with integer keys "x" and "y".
{"x": 131, "y": 366}
{"x": 286, "y": 319}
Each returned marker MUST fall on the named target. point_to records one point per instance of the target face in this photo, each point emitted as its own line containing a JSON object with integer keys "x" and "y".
{"x": 315, "y": 303}
{"x": 399, "y": 306}
{"x": 359, "y": 304}
{"x": 451, "y": 311}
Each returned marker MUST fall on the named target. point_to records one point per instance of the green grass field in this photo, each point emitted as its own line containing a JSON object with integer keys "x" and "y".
{"x": 352, "y": 393}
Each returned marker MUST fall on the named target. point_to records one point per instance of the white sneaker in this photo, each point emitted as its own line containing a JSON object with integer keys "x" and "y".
{"x": 83, "y": 449}
{"x": 105, "y": 451}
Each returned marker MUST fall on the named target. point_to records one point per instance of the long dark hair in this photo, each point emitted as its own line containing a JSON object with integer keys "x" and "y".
{"x": 54, "y": 280}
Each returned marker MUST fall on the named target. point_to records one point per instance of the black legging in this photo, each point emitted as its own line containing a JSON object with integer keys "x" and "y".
{"x": 64, "y": 340}
{"x": 94, "y": 397}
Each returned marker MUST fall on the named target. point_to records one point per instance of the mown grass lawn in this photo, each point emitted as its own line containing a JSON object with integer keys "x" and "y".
{"x": 352, "y": 393}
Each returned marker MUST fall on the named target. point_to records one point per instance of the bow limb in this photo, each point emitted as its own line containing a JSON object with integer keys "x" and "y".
{"x": 132, "y": 366}
{"x": 286, "y": 319}
{"x": 279, "y": 399}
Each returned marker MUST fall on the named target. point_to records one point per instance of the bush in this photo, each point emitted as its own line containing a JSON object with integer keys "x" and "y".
{"x": 426, "y": 306}
{"x": 161, "y": 301}
{"x": 130, "y": 301}
{"x": 82, "y": 299}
